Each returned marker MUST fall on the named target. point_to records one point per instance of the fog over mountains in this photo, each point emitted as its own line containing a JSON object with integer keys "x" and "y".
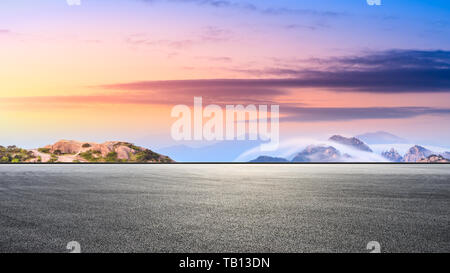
{"x": 353, "y": 149}
{"x": 369, "y": 147}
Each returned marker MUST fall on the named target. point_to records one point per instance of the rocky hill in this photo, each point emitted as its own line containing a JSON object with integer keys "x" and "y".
{"x": 76, "y": 151}
{"x": 352, "y": 142}
{"x": 434, "y": 159}
{"x": 314, "y": 153}
{"x": 416, "y": 153}
{"x": 392, "y": 155}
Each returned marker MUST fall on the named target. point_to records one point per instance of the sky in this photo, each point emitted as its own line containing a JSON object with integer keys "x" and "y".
{"x": 113, "y": 70}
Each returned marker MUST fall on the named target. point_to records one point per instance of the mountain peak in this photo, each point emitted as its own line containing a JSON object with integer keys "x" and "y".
{"x": 381, "y": 137}
{"x": 352, "y": 142}
{"x": 314, "y": 153}
{"x": 434, "y": 159}
{"x": 416, "y": 153}
{"x": 392, "y": 155}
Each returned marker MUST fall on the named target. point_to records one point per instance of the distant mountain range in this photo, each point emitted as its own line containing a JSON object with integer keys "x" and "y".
{"x": 381, "y": 137}
{"x": 76, "y": 151}
{"x": 265, "y": 158}
{"x": 352, "y": 142}
{"x": 337, "y": 149}
{"x": 324, "y": 153}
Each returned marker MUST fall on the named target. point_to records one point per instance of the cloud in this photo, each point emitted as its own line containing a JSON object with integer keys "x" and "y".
{"x": 290, "y": 147}
{"x": 141, "y": 40}
{"x": 4, "y": 31}
{"x": 395, "y": 59}
{"x": 254, "y": 8}
{"x": 215, "y": 59}
{"x": 391, "y": 71}
{"x": 315, "y": 26}
{"x": 209, "y": 34}
{"x": 157, "y": 96}
{"x": 306, "y": 114}
{"x": 379, "y": 80}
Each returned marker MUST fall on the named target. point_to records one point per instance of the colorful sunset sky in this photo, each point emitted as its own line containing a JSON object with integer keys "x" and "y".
{"x": 113, "y": 70}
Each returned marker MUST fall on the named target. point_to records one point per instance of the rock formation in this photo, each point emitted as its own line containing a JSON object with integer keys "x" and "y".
{"x": 416, "y": 153}
{"x": 392, "y": 155}
{"x": 352, "y": 142}
{"x": 318, "y": 154}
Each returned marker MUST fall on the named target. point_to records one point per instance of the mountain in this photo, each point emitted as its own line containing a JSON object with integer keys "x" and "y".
{"x": 264, "y": 158}
{"x": 381, "y": 137}
{"x": 434, "y": 159}
{"x": 416, "y": 153}
{"x": 76, "y": 151}
{"x": 318, "y": 154}
{"x": 392, "y": 155}
{"x": 352, "y": 142}
{"x": 446, "y": 155}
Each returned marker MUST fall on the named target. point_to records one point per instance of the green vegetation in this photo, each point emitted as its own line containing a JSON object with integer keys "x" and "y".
{"x": 129, "y": 145}
{"x": 111, "y": 157}
{"x": 90, "y": 156}
{"x": 147, "y": 155}
{"x": 44, "y": 150}
{"x": 13, "y": 154}
{"x": 95, "y": 156}
{"x": 53, "y": 158}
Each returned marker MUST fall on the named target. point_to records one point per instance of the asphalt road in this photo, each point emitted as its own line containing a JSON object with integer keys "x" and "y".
{"x": 225, "y": 208}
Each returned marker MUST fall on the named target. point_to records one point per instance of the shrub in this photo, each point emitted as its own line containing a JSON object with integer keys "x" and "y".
{"x": 44, "y": 150}
{"x": 147, "y": 155}
{"x": 4, "y": 159}
{"x": 86, "y": 145}
{"x": 88, "y": 156}
{"x": 15, "y": 160}
{"x": 111, "y": 157}
{"x": 53, "y": 158}
{"x": 57, "y": 152}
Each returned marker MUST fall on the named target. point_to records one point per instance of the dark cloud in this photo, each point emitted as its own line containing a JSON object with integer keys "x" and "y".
{"x": 384, "y": 72}
{"x": 396, "y": 59}
{"x": 394, "y": 71}
{"x": 305, "y": 114}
